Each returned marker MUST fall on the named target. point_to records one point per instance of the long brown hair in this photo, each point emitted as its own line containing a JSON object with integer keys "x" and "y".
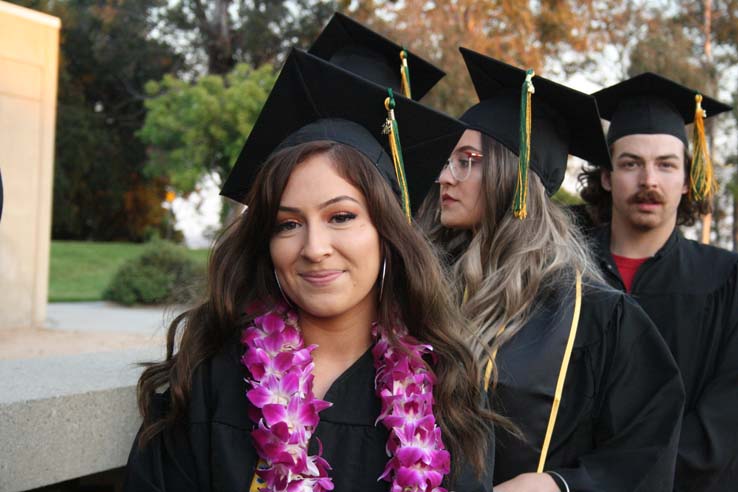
{"x": 509, "y": 266}
{"x": 599, "y": 201}
{"x": 240, "y": 272}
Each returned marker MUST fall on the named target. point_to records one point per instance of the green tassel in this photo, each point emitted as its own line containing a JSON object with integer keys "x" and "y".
{"x": 393, "y": 131}
{"x": 520, "y": 205}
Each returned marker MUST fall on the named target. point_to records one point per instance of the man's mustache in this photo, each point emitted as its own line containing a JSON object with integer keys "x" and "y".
{"x": 646, "y": 196}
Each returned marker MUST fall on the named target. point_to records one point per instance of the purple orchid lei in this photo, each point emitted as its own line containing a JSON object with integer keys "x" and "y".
{"x": 286, "y": 410}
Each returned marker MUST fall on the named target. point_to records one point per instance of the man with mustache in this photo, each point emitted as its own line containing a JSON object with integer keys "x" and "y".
{"x": 688, "y": 289}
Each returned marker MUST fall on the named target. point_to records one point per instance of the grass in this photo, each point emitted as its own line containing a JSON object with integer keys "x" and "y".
{"x": 80, "y": 270}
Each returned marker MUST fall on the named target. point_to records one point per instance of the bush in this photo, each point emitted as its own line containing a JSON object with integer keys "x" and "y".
{"x": 163, "y": 273}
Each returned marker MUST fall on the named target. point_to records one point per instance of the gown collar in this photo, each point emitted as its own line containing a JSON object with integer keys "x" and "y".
{"x": 602, "y": 237}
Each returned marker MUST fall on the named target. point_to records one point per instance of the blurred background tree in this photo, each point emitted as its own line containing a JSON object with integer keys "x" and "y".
{"x": 106, "y": 57}
{"x": 521, "y": 33}
{"x": 195, "y": 129}
{"x": 221, "y": 33}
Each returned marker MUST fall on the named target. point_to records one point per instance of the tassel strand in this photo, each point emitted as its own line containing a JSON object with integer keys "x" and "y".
{"x": 405, "y": 74}
{"x": 392, "y": 130}
{"x": 702, "y": 183}
{"x": 520, "y": 205}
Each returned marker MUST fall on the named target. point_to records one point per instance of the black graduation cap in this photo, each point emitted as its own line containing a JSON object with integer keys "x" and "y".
{"x": 651, "y": 104}
{"x": 563, "y": 120}
{"x": 350, "y": 45}
{"x": 315, "y": 100}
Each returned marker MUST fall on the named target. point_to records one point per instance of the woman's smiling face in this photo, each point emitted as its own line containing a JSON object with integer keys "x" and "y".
{"x": 325, "y": 248}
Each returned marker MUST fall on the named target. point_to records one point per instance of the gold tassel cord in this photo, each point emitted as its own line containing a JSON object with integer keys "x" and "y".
{"x": 562, "y": 373}
{"x": 520, "y": 205}
{"x": 702, "y": 184}
{"x": 558, "y": 392}
{"x": 405, "y": 74}
{"x": 392, "y": 130}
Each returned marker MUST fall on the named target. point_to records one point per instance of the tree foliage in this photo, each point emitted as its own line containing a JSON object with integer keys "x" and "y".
{"x": 523, "y": 33}
{"x": 257, "y": 32}
{"x": 669, "y": 51}
{"x": 106, "y": 57}
{"x": 194, "y": 129}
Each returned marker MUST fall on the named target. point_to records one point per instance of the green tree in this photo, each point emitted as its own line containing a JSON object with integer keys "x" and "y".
{"x": 226, "y": 32}
{"x": 194, "y": 129}
{"x": 106, "y": 57}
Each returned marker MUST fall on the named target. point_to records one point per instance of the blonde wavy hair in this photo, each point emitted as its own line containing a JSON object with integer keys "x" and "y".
{"x": 507, "y": 267}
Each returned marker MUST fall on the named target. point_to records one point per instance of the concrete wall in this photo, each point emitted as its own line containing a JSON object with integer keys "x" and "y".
{"x": 29, "y": 48}
{"x": 68, "y": 416}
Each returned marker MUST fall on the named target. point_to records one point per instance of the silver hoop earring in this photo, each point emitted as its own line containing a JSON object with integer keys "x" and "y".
{"x": 279, "y": 286}
{"x": 381, "y": 282}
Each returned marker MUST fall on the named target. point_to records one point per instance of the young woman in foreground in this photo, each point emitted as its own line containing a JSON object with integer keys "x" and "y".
{"x": 327, "y": 354}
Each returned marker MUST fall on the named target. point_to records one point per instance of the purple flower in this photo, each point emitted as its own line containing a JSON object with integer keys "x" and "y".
{"x": 405, "y": 386}
{"x": 297, "y": 413}
{"x": 284, "y": 407}
{"x": 287, "y": 412}
{"x": 274, "y": 390}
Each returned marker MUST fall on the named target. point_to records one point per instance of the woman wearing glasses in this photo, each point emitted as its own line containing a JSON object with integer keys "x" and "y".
{"x": 589, "y": 387}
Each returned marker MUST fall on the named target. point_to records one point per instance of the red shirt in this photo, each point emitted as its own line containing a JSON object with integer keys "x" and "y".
{"x": 628, "y": 268}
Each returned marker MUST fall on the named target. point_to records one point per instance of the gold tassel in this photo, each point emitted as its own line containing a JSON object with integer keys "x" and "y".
{"x": 405, "y": 74}
{"x": 702, "y": 183}
{"x": 520, "y": 203}
{"x": 392, "y": 130}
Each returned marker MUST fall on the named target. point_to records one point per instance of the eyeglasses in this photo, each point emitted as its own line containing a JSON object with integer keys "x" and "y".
{"x": 461, "y": 164}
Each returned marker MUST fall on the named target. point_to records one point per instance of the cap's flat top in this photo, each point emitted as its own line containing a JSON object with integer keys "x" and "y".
{"x": 653, "y": 86}
{"x": 357, "y": 48}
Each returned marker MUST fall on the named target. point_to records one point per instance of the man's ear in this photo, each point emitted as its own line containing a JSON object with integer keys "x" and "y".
{"x": 605, "y": 180}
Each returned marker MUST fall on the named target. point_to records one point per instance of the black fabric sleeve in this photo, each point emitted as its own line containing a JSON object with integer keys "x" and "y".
{"x": 467, "y": 479}
{"x": 708, "y": 447}
{"x": 165, "y": 463}
{"x": 640, "y": 402}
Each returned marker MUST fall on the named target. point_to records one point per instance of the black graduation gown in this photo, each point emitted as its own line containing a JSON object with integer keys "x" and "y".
{"x": 690, "y": 291}
{"x": 214, "y": 452}
{"x": 618, "y": 423}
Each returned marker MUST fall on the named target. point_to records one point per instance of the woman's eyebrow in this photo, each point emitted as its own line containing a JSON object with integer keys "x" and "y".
{"x": 468, "y": 148}
{"x": 295, "y": 210}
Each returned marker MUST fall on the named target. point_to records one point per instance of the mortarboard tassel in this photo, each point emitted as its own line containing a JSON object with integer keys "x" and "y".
{"x": 520, "y": 209}
{"x": 702, "y": 184}
{"x": 391, "y": 129}
{"x": 405, "y": 74}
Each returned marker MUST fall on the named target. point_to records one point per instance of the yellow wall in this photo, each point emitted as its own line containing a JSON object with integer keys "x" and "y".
{"x": 29, "y": 50}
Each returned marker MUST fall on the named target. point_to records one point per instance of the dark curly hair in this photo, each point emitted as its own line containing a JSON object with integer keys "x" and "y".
{"x": 599, "y": 201}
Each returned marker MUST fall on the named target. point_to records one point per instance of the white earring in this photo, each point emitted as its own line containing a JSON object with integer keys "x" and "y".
{"x": 381, "y": 282}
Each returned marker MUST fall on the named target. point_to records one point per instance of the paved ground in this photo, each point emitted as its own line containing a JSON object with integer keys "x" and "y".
{"x": 106, "y": 317}
{"x": 85, "y": 327}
